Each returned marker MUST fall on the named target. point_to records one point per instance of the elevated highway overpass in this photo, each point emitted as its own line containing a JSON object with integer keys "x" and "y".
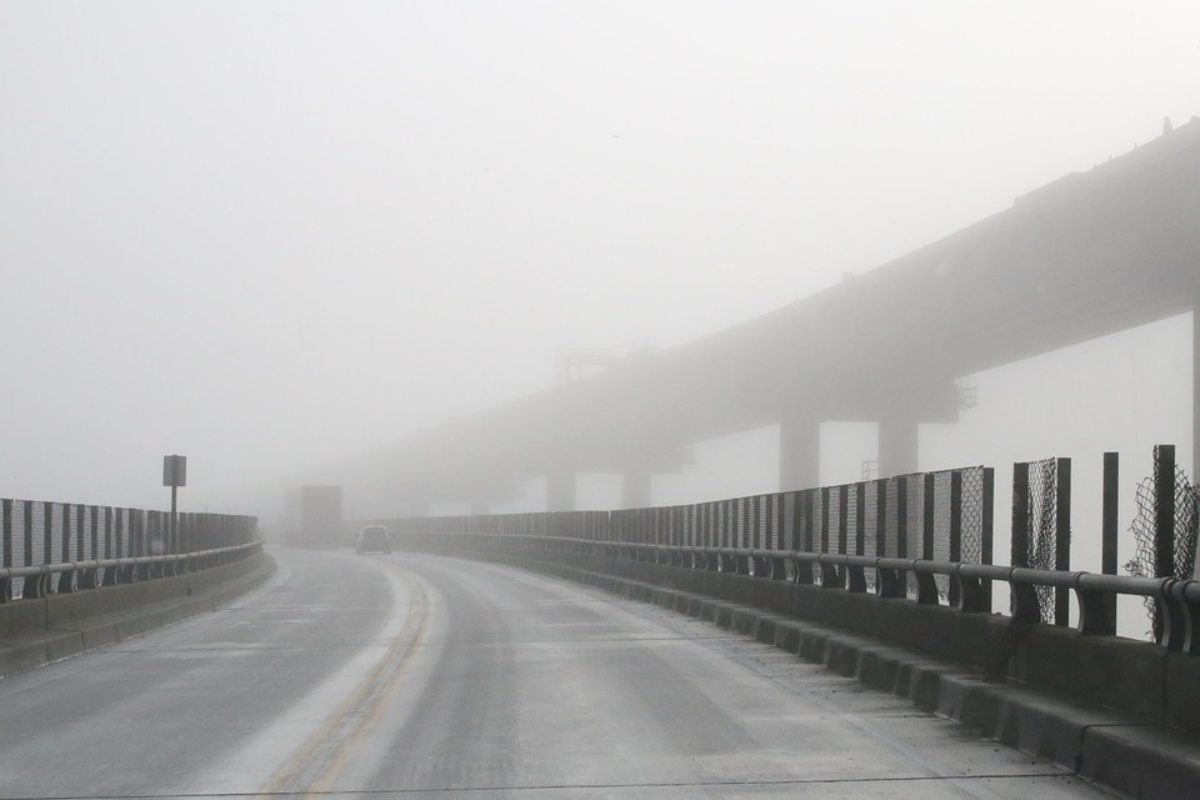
{"x": 1088, "y": 255}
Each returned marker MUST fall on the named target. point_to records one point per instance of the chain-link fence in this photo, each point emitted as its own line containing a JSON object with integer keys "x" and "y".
{"x": 1164, "y": 527}
{"x": 1041, "y": 534}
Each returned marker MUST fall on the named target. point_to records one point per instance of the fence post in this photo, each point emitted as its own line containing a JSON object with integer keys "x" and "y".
{"x": 6, "y": 548}
{"x": 1062, "y": 539}
{"x": 1164, "y": 511}
{"x": 987, "y": 533}
{"x": 825, "y": 519}
{"x": 927, "y": 514}
{"x": 1019, "y": 556}
{"x": 955, "y": 529}
{"x": 881, "y": 518}
{"x": 1109, "y": 526}
{"x": 843, "y": 519}
{"x": 860, "y": 519}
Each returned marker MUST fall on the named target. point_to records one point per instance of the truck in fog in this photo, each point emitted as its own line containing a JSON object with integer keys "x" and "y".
{"x": 313, "y": 516}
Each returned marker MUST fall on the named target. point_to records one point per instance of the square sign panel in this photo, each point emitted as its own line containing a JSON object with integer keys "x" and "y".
{"x": 174, "y": 470}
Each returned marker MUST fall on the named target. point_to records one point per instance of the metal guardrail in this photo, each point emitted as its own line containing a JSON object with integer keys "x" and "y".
{"x": 39, "y": 580}
{"x": 1179, "y": 601}
{"x": 48, "y": 547}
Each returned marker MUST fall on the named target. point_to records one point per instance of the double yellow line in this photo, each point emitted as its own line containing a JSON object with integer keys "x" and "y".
{"x": 324, "y": 755}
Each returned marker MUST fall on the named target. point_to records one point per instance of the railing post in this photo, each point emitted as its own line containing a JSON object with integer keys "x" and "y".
{"x": 927, "y": 515}
{"x": 1109, "y": 530}
{"x": 6, "y": 548}
{"x": 1164, "y": 527}
{"x": 1019, "y": 556}
{"x": 956, "y": 512}
{"x": 987, "y": 533}
{"x": 860, "y": 519}
{"x": 1164, "y": 511}
{"x": 825, "y": 519}
{"x": 1062, "y": 539}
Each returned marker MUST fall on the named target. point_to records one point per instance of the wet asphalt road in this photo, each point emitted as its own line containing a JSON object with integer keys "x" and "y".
{"x": 425, "y": 677}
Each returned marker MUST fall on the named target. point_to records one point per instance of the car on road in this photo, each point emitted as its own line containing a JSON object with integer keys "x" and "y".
{"x": 372, "y": 539}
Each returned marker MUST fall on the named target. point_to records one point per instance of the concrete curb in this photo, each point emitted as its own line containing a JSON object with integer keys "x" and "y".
{"x": 184, "y": 596}
{"x": 1135, "y": 757}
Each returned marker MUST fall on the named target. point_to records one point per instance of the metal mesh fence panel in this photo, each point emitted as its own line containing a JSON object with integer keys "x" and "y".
{"x": 871, "y": 528}
{"x": 1183, "y": 532}
{"x": 17, "y": 531}
{"x": 972, "y": 515}
{"x": 892, "y": 520}
{"x": 1043, "y": 494}
{"x": 832, "y": 544}
{"x": 942, "y": 523}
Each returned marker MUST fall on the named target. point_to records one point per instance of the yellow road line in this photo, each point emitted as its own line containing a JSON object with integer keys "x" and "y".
{"x": 343, "y": 730}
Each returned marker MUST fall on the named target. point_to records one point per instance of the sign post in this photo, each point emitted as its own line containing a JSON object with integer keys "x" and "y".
{"x": 175, "y": 475}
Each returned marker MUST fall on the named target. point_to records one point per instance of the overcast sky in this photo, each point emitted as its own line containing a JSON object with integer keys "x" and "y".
{"x": 269, "y": 233}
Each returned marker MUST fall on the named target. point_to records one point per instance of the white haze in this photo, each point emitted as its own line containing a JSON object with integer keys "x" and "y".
{"x": 271, "y": 234}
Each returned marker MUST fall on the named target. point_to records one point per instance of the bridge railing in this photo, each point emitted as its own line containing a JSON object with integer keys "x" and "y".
{"x": 925, "y": 537}
{"x": 48, "y": 548}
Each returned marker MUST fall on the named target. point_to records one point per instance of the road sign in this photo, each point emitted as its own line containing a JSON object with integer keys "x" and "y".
{"x": 174, "y": 470}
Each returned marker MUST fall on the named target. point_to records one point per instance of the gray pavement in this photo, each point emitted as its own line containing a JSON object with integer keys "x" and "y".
{"x": 425, "y": 677}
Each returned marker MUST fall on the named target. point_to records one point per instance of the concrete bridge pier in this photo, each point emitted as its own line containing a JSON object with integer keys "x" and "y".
{"x": 636, "y": 486}
{"x": 899, "y": 444}
{"x": 799, "y": 453}
{"x": 560, "y": 490}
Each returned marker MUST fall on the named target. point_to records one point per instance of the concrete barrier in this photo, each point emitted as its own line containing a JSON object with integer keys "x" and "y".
{"x": 37, "y": 632}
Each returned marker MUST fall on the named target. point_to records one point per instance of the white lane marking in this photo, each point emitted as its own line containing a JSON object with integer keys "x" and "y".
{"x": 256, "y": 760}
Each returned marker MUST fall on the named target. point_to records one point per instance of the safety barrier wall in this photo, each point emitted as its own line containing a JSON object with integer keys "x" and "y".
{"x": 49, "y": 548}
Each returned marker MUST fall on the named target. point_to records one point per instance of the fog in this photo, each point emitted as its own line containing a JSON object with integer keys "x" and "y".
{"x": 273, "y": 235}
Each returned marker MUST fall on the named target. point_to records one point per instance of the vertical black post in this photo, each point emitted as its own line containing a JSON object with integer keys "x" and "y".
{"x": 825, "y": 519}
{"x": 79, "y": 553}
{"x": 927, "y": 515}
{"x": 47, "y": 532}
{"x": 860, "y": 519}
{"x": 987, "y": 531}
{"x": 1062, "y": 539}
{"x": 29, "y": 562}
{"x": 955, "y": 528}
{"x": 6, "y": 554}
{"x": 174, "y": 546}
{"x": 809, "y": 520}
{"x": 108, "y": 533}
{"x": 843, "y": 519}
{"x": 881, "y": 517}
{"x": 66, "y": 533}
{"x": 1019, "y": 556}
{"x": 902, "y": 516}
{"x": 94, "y": 513}
{"x": 1164, "y": 511}
{"x": 1109, "y": 525}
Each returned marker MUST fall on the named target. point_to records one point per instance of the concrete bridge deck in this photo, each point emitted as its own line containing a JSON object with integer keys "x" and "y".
{"x": 419, "y": 676}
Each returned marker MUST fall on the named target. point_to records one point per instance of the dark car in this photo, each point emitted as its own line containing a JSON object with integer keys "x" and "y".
{"x": 372, "y": 539}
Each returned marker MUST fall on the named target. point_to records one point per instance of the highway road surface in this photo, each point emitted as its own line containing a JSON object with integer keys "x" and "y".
{"x": 415, "y": 676}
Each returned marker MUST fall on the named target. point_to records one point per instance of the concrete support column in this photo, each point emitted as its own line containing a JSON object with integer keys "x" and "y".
{"x": 799, "y": 453}
{"x": 560, "y": 490}
{"x": 636, "y": 485}
{"x": 899, "y": 438}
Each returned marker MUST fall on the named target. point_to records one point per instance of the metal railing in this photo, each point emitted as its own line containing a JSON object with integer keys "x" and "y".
{"x": 48, "y": 548}
{"x": 925, "y": 538}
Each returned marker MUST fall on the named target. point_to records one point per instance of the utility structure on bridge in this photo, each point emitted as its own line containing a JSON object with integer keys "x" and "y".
{"x": 1088, "y": 255}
